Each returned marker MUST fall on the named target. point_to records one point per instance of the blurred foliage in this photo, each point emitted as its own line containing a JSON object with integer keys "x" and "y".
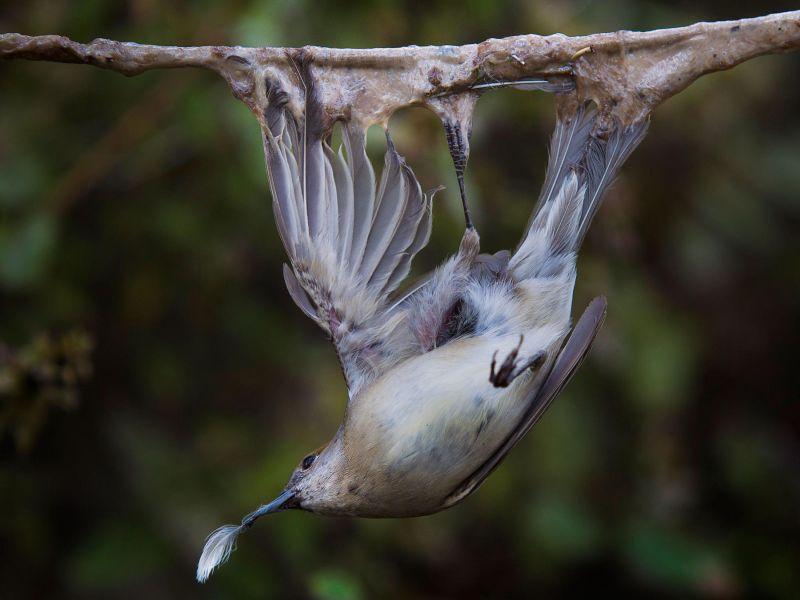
{"x": 137, "y": 210}
{"x": 43, "y": 375}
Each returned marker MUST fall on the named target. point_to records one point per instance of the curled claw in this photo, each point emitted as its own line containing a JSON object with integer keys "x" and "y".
{"x": 511, "y": 368}
{"x": 505, "y": 374}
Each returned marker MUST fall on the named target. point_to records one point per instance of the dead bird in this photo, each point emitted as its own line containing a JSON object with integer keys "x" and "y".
{"x": 446, "y": 379}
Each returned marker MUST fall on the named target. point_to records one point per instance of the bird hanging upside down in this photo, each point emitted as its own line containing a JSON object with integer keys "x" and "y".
{"x": 446, "y": 379}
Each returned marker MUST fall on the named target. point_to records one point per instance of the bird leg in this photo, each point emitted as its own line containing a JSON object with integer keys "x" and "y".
{"x": 455, "y": 112}
{"x": 511, "y": 367}
{"x": 458, "y": 144}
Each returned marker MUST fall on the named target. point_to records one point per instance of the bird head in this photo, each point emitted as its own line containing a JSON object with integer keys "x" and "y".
{"x": 311, "y": 487}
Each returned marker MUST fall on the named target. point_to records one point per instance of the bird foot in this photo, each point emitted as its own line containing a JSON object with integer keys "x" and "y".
{"x": 512, "y": 367}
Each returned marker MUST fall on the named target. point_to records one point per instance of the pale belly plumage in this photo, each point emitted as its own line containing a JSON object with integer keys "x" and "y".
{"x": 427, "y": 425}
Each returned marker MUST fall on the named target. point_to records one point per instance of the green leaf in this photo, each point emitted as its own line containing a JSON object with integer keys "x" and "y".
{"x": 335, "y": 585}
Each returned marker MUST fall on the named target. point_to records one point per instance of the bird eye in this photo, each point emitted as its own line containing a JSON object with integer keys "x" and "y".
{"x": 308, "y": 461}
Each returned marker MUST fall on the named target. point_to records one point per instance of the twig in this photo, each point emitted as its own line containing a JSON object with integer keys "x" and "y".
{"x": 627, "y": 73}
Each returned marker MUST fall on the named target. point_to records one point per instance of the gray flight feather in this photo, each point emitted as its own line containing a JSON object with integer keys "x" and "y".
{"x": 567, "y": 148}
{"x": 553, "y": 226}
{"x": 389, "y": 208}
{"x": 414, "y": 206}
{"x": 603, "y": 161}
{"x": 424, "y": 223}
{"x": 298, "y": 294}
{"x": 363, "y": 177}
{"x": 345, "y": 209}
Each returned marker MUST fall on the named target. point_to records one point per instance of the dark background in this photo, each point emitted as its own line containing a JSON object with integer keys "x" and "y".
{"x": 134, "y": 220}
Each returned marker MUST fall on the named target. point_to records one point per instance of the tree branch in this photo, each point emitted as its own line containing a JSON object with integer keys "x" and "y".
{"x": 626, "y": 73}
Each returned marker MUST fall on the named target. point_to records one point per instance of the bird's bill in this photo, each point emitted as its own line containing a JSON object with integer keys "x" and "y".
{"x": 280, "y": 503}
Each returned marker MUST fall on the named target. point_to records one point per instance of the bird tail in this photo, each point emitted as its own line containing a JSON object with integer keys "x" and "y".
{"x": 581, "y": 167}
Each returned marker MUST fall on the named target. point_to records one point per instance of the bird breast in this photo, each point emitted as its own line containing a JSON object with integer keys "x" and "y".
{"x": 427, "y": 425}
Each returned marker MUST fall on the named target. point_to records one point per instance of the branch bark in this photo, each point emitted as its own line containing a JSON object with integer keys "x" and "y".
{"x": 626, "y": 73}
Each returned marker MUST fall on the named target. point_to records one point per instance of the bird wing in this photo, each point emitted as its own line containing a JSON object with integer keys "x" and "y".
{"x": 569, "y": 359}
{"x": 350, "y": 241}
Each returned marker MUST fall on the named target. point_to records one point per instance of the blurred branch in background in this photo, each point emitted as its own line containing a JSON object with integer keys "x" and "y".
{"x": 39, "y": 377}
{"x": 134, "y": 124}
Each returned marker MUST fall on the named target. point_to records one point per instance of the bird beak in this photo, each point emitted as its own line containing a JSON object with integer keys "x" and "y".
{"x": 282, "y": 502}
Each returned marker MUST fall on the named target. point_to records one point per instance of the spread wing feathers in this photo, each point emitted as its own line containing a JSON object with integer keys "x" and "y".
{"x": 350, "y": 242}
{"x": 567, "y": 148}
{"x": 603, "y": 161}
{"x": 557, "y": 213}
{"x": 566, "y": 364}
{"x": 579, "y": 171}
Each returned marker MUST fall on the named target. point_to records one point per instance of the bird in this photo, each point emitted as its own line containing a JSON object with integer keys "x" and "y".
{"x": 444, "y": 378}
